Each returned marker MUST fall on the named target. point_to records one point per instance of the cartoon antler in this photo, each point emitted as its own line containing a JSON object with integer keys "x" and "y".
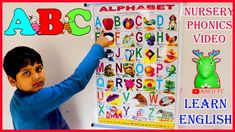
{"x": 213, "y": 53}
{"x": 198, "y": 53}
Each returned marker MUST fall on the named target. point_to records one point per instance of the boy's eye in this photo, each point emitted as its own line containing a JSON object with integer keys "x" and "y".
{"x": 39, "y": 69}
{"x": 27, "y": 73}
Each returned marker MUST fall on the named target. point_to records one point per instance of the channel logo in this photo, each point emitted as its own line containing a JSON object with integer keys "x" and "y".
{"x": 207, "y": 91}
{"x": 195, "y": 91}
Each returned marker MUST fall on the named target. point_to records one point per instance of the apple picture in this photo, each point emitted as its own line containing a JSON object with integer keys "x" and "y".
{"x": 108, "y": 23}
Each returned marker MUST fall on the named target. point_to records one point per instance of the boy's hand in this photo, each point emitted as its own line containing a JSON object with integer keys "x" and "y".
{"x": 103, "y": 41}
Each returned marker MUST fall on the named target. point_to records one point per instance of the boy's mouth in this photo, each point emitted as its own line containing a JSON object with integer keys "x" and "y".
{"x": 39, "y": 84}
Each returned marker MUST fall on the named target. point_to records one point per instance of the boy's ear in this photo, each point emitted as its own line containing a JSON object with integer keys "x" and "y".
{"x": 12, "y": 81}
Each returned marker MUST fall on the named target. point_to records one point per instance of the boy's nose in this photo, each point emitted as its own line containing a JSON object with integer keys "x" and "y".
{"x": 36, "y": 77}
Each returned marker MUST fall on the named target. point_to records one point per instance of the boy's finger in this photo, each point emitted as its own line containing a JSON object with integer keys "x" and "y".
{"x": 102, "y": 33}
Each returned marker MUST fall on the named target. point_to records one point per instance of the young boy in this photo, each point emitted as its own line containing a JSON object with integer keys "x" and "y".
{"x": 35, "y": 107}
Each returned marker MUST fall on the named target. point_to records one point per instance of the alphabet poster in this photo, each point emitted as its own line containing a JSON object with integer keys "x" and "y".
{"x": 170, "y": 65}
{"x": 137, "y": 80}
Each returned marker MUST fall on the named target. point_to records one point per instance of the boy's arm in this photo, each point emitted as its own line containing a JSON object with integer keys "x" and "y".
{"x": 52, "y": 97}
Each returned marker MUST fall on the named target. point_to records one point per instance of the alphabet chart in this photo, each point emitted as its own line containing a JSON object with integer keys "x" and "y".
{"x": 137, "y": 80}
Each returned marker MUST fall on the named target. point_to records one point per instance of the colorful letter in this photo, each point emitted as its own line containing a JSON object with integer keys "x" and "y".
{"x": 76, "y": 30}
{"x": 20, "y": 21}
{"x": 50, "y": 23}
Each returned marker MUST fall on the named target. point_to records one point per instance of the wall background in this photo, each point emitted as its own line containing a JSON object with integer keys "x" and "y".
{"x": 62, "y": 53}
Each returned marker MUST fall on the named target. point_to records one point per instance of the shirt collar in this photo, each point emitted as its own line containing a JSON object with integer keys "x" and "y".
{"x": 22, "y": 93}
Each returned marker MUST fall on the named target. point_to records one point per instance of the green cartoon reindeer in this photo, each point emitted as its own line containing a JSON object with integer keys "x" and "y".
{"x": 206, "y": 75}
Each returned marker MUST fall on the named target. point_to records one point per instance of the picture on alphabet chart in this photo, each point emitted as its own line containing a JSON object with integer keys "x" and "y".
{"x": 137, "y": 80}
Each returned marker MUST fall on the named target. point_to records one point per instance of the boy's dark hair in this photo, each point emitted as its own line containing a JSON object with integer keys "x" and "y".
{"x": 20, "y": 57}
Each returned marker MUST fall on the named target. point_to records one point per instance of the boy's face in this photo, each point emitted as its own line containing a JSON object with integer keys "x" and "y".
{"x": 29, "y": 78}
